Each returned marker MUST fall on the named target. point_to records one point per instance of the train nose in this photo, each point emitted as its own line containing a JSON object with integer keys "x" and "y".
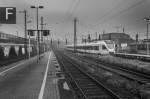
{"x": 111, "y": 51}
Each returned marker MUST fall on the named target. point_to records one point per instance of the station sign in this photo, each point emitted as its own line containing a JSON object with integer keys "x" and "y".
{"x": 44, "y": 32}
{"x": 31, "y": 32}
{"x": 7, "y": 15}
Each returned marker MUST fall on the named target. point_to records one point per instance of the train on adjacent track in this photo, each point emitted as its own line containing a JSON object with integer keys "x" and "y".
{"x": 102, "y": 47}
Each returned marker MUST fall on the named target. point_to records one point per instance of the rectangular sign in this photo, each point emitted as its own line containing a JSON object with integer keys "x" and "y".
{"x": 7, "y": 15}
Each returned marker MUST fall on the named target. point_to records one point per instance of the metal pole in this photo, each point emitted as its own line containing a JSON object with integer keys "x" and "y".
{"x": 147, "y": 21}
{"x": 75, "y": 38}
{"x": 96, "y": 36}
{"x": 25, "y": 25}
{"x": 147, "y": 40}
{"x": 47, "y": 41}
{"x": 41, "y": 29}
{"x": 85, "y": 44}
{"x": 41, "y": 36}
{"x": 42, "y": 23}
{"x": 38, "y": 46}
{"x": 29, "y": 47}
{"x": 66, "y": 41}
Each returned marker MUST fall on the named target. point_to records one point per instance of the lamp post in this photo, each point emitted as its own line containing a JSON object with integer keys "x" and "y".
{"x": 147, "y": 22}
{"x": 37, "y": 12}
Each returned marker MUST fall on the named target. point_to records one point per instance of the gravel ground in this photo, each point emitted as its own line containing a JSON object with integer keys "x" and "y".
{"x": 130, "y": 63}
{"x": 133, "y": 64}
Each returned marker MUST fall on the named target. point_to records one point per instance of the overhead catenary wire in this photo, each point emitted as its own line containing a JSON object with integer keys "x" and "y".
{"x": 103, "y": 18}
{"x": 118, "y": 13}
{"x": 69, "y": 12}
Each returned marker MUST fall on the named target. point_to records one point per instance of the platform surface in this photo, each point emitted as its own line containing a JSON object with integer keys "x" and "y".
{"x": 28, "y": 79}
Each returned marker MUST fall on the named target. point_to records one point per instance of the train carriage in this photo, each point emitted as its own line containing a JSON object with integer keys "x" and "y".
{"x": 99, "y": 47}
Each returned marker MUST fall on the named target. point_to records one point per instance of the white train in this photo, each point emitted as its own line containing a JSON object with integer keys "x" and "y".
{"x": 100, "y": 47}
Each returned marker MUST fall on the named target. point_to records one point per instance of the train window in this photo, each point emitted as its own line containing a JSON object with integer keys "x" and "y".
{"x": 91, "y": 48}
{"x": 104, "y": 47}
{"x": 87, "y": 47}
{"x": 145, "y": 46}
{"x": 83, "y": 47}
{"x": 96, "y": 48}
{"x": 78, "y": 47}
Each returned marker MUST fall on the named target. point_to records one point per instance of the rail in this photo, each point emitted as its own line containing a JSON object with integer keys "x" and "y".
{"x": 133, "y": 56}
{"x": 88, "y": 85}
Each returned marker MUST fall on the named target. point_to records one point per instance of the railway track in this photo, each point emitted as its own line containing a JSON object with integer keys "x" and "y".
{"x": 10, "y": 61}
{"x": 88, "y": 86}
{"x": 129, "y": 74}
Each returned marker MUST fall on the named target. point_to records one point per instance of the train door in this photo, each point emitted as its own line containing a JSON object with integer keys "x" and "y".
{"x": 100, "y": 49}
{"x": 92, "y": 49}
{"x": 96, "y": 49}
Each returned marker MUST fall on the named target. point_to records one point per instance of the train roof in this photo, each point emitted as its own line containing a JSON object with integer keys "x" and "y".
{"x": 92, "y": 43}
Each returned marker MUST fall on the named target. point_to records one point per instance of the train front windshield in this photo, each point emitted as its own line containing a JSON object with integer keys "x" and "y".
{"x": 110, "y": 44}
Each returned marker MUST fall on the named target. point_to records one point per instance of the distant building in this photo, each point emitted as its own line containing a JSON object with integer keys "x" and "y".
{"x": 140, "y": 47}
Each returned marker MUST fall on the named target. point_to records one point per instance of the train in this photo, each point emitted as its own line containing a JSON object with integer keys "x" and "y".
{"x": 102, "y": 47}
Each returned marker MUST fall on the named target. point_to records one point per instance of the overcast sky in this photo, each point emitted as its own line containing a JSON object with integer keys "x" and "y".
{"x": 92, "y": 15}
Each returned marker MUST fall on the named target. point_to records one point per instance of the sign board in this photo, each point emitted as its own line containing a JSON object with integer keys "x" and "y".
{"x": 31, "y": 32}
{"x": 7, "y": 15}
{"x": 45, "y": 32}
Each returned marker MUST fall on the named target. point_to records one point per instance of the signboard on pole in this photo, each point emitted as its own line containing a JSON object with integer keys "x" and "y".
{"x": 31, "y": 32}
{"x": 7, "y": 15}
{"x": 45, "y": 32}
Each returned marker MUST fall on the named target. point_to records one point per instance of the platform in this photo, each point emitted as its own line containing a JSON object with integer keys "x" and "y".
{"x": 29, "y": 79}
{"x": 51, "y": 88}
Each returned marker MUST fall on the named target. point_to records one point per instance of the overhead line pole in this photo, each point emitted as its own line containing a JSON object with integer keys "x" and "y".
{"x": 75, "y": 36}
{"x": 96, "y": 36}
{"x": 42, "y": 27}
{"x": 147, "y": 24}
{"x": 42, "y": 23}
{"x": 25, "y": 24}
{"x": 147, "y": 38}
{"x": 38, "y": 45}
{"x": 41, "y": 36}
